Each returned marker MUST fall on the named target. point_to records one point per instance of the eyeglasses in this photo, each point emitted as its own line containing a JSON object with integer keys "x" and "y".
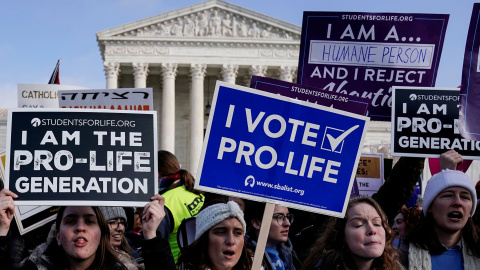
{"x": 281, "y": 218}
{"x": 115, "y": 224}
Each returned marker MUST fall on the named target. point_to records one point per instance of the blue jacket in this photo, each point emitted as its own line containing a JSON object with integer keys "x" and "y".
{"x": 285, "y": 251}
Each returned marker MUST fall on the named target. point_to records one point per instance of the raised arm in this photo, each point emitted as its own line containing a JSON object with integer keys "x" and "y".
{"x": 450, "y": 160}
{"x": 398, "y": 188}
{"x": 156, "y": 250}
{"x": 7, "y": 209}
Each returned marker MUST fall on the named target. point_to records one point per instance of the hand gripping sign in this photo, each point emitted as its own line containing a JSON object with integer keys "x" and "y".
{"x": 270, "y": 148}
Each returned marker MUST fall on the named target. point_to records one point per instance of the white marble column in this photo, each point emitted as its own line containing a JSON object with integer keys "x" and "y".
{"x": 167, "y": 139}
{"x": 197, "y": 72}
{"x": 287, "y": 73}
{"x": 140, "y": 72}
{"x": 112, "y": 70}
{"x": 257, "y": 70}
{"x": 229, "y": 73}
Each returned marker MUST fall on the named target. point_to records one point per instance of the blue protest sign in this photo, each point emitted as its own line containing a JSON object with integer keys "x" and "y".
{"x": 270, "y": 148}
{"x": 365, "y": 54}
{"x": 79, "y": 157}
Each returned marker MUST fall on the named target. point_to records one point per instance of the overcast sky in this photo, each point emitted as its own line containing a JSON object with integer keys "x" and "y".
{"x": 34, "y": 34}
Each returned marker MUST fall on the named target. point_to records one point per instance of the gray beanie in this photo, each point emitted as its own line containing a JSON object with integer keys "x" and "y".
{"x": 113, "y": 212}
{"x": 216, "y": 213}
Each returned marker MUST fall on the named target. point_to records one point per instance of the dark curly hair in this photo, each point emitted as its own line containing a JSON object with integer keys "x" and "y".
{"x": 331, "y": 247}
{"x": 411, "y": 217}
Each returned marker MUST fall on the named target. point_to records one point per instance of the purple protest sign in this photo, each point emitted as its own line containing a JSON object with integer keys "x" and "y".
{"x": 365, "y": 54}
{"x": 339, "y": 101}
{"x": 469, "y": 109}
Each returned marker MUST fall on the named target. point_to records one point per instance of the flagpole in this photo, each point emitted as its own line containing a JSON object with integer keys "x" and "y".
{"x": 55, "y": 79}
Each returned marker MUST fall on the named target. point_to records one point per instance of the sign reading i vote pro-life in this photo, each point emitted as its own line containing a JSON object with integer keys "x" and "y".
{"x": 81, "y": 157}
{"x": 266, "y": 147}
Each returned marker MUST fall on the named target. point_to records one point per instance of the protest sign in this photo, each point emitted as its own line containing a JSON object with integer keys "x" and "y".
{"x": 311, "y": 94}
{"x": 28, "y": 217}
{"x": 469, "y": 108}
{"x": 40, "y": 95}
{"x": 137, "y": 99}
{"x": 104, "y": 157}
{"x": 425, "y": 123}
{"x": 370, "y": 173}
{"x": 266, "y": 147}
{"x": 365, "y": 54}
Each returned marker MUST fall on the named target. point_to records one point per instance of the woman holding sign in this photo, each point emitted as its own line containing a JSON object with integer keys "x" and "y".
{"x": 82, "y": 238}
{"x": 446, "y": 237}
{"x": 362, "y": 240}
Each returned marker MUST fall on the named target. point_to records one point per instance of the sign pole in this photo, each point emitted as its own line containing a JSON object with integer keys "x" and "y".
{"x": 262, "y": 238}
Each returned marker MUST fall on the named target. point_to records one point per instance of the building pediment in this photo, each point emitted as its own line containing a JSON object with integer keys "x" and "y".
{"x": 208, "y": 21}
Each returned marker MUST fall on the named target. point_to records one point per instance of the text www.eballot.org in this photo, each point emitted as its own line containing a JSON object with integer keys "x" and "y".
{"x": 280, "y": 187}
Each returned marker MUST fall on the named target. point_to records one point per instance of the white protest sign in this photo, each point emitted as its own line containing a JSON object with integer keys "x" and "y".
{"x": 370, "y": 174}
{"x": 40, "y": 95}
{"x": 137, "y": 99}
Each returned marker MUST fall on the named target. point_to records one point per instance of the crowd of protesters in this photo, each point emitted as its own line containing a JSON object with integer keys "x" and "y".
{"x": 388, "y": 230}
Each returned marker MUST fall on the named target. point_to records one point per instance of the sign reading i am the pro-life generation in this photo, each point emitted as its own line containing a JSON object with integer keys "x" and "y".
{"x": 267, "y": 147}
{"x": 339, "y": 101}
{"x": 80, "y": 157}
{"x": 425, "y": 123}
{"x": 365, "y": 54}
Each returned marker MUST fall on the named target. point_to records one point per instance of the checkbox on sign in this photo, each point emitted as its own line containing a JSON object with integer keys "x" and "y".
{"x": 333, "y": 139}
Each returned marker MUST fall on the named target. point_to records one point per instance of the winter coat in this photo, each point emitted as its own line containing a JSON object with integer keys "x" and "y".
{"x": 156, "y": 254}
{"x": 285, "y": 251}
{"x": 419, "y": 259}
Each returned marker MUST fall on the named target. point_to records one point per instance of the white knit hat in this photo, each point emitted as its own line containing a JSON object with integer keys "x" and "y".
{"x": 445, "y": 179}
{"x": 216, "y": 213}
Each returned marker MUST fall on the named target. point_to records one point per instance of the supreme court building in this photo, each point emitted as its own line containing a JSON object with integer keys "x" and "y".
{"x": 181, "y": 54}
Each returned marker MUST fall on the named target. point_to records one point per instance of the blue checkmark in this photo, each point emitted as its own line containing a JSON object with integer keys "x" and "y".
{"x": 334, "y": 142}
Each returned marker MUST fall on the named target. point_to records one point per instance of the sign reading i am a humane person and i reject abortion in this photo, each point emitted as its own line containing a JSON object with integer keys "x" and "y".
{"x": 266, "y": 147}
{"x": 365, "y": 54}
{"x": 80, "y": 157}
